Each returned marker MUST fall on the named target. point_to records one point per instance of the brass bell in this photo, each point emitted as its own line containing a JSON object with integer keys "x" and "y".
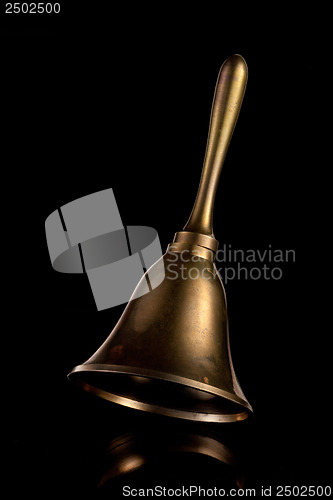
{"x": 169, "y": 352}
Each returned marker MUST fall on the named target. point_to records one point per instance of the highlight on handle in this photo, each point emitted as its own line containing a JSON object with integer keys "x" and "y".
{"x": 228, "y": 97}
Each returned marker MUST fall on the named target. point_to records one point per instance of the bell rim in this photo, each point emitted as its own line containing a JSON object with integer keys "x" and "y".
{"x": 158, "y": 409}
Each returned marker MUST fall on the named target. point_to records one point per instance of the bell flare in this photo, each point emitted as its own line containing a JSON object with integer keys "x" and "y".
{"x": 169, "y": 353}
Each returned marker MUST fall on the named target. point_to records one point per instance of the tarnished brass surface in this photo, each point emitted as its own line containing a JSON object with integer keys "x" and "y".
{"x": 169, "y": 352}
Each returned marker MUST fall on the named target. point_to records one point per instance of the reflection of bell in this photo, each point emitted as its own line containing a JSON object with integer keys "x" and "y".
{"x": 169, "y": 353}
{"x": 200, "y": 454}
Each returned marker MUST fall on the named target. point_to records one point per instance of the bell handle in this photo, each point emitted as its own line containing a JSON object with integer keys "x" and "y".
{"x": 228, "y": 97}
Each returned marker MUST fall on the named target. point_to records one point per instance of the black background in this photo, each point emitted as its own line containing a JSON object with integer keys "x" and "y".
{"x": 94, "y": 99}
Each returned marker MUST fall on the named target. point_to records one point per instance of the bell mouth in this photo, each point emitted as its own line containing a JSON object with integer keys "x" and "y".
{"x": 160, "y": 393}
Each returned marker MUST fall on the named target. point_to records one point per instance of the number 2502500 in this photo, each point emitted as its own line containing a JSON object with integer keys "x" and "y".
{"x": 32, "y": 8}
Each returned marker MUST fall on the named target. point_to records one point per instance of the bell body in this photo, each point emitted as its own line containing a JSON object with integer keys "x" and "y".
{"x": 169, "y": 352}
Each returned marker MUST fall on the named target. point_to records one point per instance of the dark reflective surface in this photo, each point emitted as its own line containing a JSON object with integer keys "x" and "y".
{"x": 95, "y": 449}
{"x": 173, "y": 455}
{"x": 160, "y": 452}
